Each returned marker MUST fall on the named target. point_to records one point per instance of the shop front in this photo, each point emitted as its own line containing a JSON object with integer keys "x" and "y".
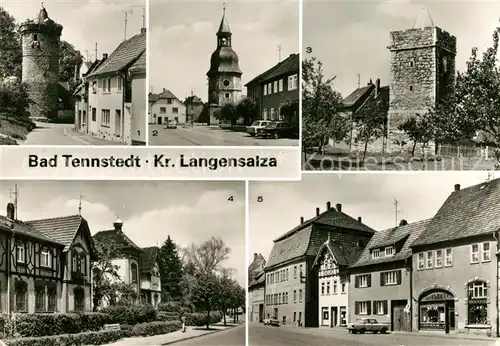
{"x": 436, "y": 309}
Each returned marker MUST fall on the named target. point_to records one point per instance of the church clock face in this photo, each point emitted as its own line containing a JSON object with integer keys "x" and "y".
{"x": 226, "y": 83}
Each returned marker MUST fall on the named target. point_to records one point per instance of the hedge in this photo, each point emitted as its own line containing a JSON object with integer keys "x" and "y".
{"x": 168, "y": 316}
{"x": 200, "y": 318}
{"x": 131, "y": 314}
{"x": 87, "y": 338}
{"x": 35, "y": 325}
{"x": 156, "y": 328}
{"x": 169, "y": 307}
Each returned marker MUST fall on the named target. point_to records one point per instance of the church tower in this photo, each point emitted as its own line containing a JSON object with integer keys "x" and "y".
{"x": 40, "y": 69}
{"x": 224, "y": 76}
{"x": 422, "y": 73}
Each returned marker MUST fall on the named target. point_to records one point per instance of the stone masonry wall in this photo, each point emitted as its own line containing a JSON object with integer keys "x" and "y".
{"x": 40, "y": 70}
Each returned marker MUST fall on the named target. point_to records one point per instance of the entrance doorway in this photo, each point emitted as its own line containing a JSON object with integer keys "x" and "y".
{"x": 275, "y": 313}
{"x": 335, "y": 317}
{"x": 261, "y": 312}
{"x": 400, "y": 320}
{"x": 118, "y": 123}
{"x": 159, "y": 119}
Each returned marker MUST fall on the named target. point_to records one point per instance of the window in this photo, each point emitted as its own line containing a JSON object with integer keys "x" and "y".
{"x": 74, "y": 258}
{"x": 270, "y": 88}
{"x": 295, "y": 316}
{"x": 272, "y": 114}
{"x": 390, "y": 278}
{"x": 265, "y": 114}
{"x": 120, "y": 83}
{"x": 294, "y": 297}
{"x": 478, "y": 303}
{"x": 362, "y": 308}
{"x": 335, "y": 287}
{"x": 363, "y": 280}
{"x": 294, "y": 272}
{"x": 163, "y": 110}
{"x": 300, "y": 271}
{"x": 20, "y": 253}
{"x": 265, "y": 90}
{"x": 94, "y": 87}
{"x": 169, "y": 101}
{"x": 280, "y": 85}
{"x": 21, "y": 291}
{"x": 39, "y": 297}
{"x": 292, "y": 82}
{"x": 105, "y": 117}
{"x": 300, "y": 296}
{"x": 79, "y": 299}
{"x": 429, "y": 260}
{"x": 421, "y": 261}
{"x": 411, "y": 87}
{"x": 485, "y": 254}
{"x": 227, "y": 95}
{"x": 175, "y": 110}
{"x": 343, "y": 287}
{"x": 287, "y": 274}
{"x": 412, "y": 63}
{"x": 45, "y": 258}
{"x": 448, "y": 259}
{"x": 322, "y": 288}
{"x": 328, "y": 287}
{"x": 276, "y": 86}
{"x": 389, "y": 251}
{"x": 52, "y": 294}
{"x": 474, "y": 253}
{"x": 439, "y": 259}
{"x": 94, "y": 114}
{"x": 376, "y": 253}
{"x": 133, "y": 273}
{"x": 279, "y": 298}
{"x": 380, "y": 307}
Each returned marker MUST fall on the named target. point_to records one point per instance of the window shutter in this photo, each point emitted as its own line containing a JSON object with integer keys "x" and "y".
{"x": 356, "y": 308}
{"x": 369, "y": 280}
{"x": 382, "y": 283}
{"x": 385, "y": 307}
{"x": 398, "y": 277}
{"x": 369, "y": 307}
{"x": 374, "y": 306}
{"x": 356, "y": 281}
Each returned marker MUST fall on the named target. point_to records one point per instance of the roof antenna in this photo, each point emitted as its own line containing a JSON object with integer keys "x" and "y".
{"x": 396, "y": 204}
{"x": 224, "y": 8}
{"x": 80, "y": 205}
{"x": 15, "y": 194}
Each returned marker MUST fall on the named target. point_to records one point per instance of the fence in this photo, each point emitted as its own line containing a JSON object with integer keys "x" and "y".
{"x": 467, "y": 151}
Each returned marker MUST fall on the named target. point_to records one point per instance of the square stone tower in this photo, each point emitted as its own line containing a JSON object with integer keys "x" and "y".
{"x": 422, "y": 73}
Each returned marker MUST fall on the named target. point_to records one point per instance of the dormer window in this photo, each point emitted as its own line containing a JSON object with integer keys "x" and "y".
{"x": 376, "y": 253}
{"x": 390, "y": 251}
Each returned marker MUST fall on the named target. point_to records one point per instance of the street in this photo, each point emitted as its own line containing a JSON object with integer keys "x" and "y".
{"x": 61, "y": 134}
{"x": 231, "y": 337}
{"x": 210, "y": 136}
{"x": 260, "y": 335}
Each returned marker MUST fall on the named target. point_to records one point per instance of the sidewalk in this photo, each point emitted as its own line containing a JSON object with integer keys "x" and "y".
{"x": 167, "y": 339}
{"x": 87, "y": 139}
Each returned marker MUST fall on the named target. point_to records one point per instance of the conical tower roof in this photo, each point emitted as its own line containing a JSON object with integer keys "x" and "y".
{"x": 224, "y": 25}
{"x": 424, "y": 19}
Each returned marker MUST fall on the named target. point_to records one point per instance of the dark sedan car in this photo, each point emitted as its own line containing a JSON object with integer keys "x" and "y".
{"x": 277, "y": 129}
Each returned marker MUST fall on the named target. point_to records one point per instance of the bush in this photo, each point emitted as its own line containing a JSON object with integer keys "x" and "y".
{"x": 32, "y": 325}
{"x": 131, "y": 314}
{"x": 156, "y": 328}
{"x": 169, "y": 307}
{"x": 87, "y": 338}
{"x": 168, "y": 316}
{"x": 199, "y": 319}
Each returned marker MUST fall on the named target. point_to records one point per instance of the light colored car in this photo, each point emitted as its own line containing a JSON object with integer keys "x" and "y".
{"x": 256, "y": 126}
{"x": 363, "y": 325}
{"x": 171, "y": 125}
{"x": 271, "y": 322}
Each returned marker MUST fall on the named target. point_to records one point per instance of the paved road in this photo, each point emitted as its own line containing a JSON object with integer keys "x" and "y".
{"x": 60, "y": 134}
{"x": 231, "y": 337}
{"x": 259, "y": 335}
{"x": 209, "y": 136}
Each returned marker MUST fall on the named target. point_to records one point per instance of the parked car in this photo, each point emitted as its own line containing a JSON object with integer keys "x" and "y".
{"x": 363, "y": 325}
{"x": 271, "y": 322}
{"x": 256, "y": 125}
{"x": 171, "y": 125}
{"x": 276, "y": 129}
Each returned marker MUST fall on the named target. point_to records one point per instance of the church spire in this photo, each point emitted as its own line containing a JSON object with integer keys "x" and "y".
{"x": 224, "y": 29}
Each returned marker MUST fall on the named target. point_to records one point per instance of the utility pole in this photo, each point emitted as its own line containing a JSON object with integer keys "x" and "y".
{"x": 396, "y": 204}
{"x": 279, "y": 52}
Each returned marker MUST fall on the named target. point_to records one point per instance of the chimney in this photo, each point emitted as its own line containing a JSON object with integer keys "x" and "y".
{"x": 301, "y": 220}
{"x": 339, "y": 207}
{"x": 11, "y": 211}
{"x": 143, "y": 30}
{"x": 359, "y": 219}
{"x": 328, "y": 206}
{"x": 403, "y": 222}
{"x": 164, "y": 89}
{"x": 457, "y": 187}
{"x": 118, "y": 224}
{"x": 370, "y": 82}
{"x": 254, "y": 256}
{"x": 104, "y": 56}
{"x": 317, "y": 211}
{"x": 377, "y": 85}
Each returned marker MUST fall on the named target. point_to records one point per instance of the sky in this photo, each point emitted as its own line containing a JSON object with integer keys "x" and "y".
{"x": 187, "y": 211}
{"x": 183, "y": 38}
{"x": 371, "y": 196}
{"x": 351, "y": 38}
{"x": 86, "y": 22}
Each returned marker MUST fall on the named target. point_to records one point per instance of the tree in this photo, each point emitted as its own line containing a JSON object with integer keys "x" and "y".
{"x": 14, "y": 99}
{"x": 205, "y": 295}
{"x": 418, "y": 129}
{"x": 122, "y": 293}
{"x": 69, "y": 59}
{"x": 226, "y": 293}
{"x": 321, "y": 107}
{"x": 370, "y": 122}
{"x": 170, "y": 270}
{"x": 10, "y": 41}
{"x": 228, "y": 112}
{"x": 208, "y": 256}
{"x": 247, "y": 109}
{"x": 238, "y": 299}
{"x": 104, "y": 273}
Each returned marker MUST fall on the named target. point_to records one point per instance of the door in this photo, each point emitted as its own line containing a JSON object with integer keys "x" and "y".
{"x": 159, "y": 120}
{"x": 118, "y": 122}
{"x": 275, "y": 316}
{"x": 261, "y": 312}
{"x": 400, "y": 319}
{"x": 343, "y": 316}
{"x": 300, "y": 318}
{"x": 334, "y": 317}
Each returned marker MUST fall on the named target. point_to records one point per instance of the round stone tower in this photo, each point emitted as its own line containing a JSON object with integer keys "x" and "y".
{"x": 41, "y": 50}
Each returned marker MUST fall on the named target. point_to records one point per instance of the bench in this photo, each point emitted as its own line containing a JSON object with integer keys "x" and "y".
{"x": 109, "y": 327}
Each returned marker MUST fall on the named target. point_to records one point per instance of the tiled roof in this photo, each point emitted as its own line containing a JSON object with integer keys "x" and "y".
{"x": 119, "y": 239}
{"x": 288, "y": 66}
{"x": 62, "y": 229}
{"x": 25, "y": 229}
{"x": 357, "y": 95}
{"x": 290, "y": 247}
{"x": 148, "y": 258}
{"x": 466, "y": 213}
{"x": 140, "y": 64}
{"x": 166, "y": 94}
{"x": 391, "y": 236}
{"x": 257, "y": 262}
{"x": 124, "y": 55}
{"x": 259, "y": 279}
{"x": 224, "y": 26}
{"x": 344, "y": 254}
